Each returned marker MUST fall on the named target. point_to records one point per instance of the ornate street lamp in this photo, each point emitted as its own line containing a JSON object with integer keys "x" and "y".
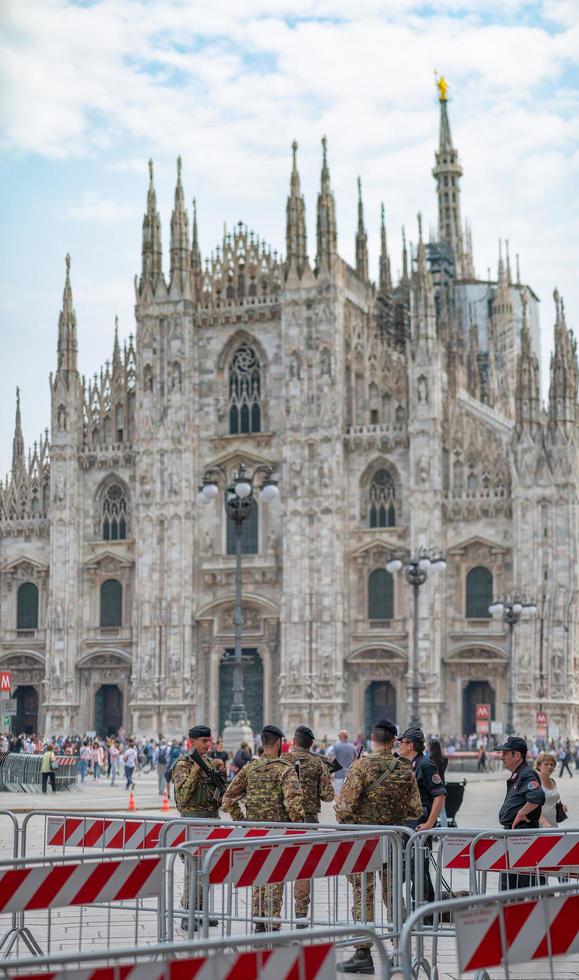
{"x": 511, "y": 609}
{"x": 416, "y": 571}
{"x": 239, "y": 493}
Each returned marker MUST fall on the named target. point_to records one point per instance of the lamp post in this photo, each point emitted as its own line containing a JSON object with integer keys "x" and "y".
{"x": 416, "y": 571}
{"x": 239, "y": 493}
{"x": 511, "y": 609}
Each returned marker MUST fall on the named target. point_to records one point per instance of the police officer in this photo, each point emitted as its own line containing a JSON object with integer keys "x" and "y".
{"x": 270, "y": 790}
{"x": 523, "y": 800}
{"x": 316, "y": 783}
{"x": 378, "y": 789}
{"x": 195, "y": 797}
{"x": 431, "y": 788}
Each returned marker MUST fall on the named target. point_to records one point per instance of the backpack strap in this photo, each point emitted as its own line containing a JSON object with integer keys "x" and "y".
{"x": 390, "y": 768}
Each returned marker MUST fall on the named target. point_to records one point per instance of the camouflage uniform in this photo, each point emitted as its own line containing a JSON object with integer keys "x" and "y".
{"x": 316, "y": 784}
{"x": 394, "y": 801}
{"x": 194, "y": 797}
{"x": 269, "y": 789}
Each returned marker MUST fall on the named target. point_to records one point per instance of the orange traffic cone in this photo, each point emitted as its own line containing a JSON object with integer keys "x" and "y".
{"x": 132, "y": 805}
{"x": 165, "y": 804}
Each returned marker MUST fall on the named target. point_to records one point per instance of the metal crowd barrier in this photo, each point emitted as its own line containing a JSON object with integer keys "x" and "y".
{"x": 507, "y": 929}
{"x": 21, "y": 772}
{"x": 286, "y": 956}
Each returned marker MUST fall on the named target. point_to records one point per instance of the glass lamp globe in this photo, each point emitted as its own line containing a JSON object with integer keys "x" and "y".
{"x": 517, "y": 608}
{"x": 210, "y": 490}
{"x": 496, "y": 609}
{"x": 269, "y": 492}
{"x": 394, "y": 565}
{"x": 201, "y": 498}
{"x": 243, "y": 489}
{"x": 424, "y": 564}
{"x": 438, "y": 565}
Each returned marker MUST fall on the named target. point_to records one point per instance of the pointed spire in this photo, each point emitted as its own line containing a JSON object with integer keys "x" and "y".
{"x": 385, "y": 277}
{"x": 18, "y": 458}
{"x": 152, "y": 256}
{"x": 117, "y": 363}
{"x": 196, "y": 260}
{"x": 361, "y": 238}
{"x": 180, "y": 252}
{"x": 67, "y": 342}
{"x": 327, "y": 232}
{"x": 296, "y": 236}
{"x": 508, "y": 267}
{"x": 404, "y": 256}
{"x": 563, "y": 410}
{"x": 424, "y": 327}
{"x": 447, "y": 174}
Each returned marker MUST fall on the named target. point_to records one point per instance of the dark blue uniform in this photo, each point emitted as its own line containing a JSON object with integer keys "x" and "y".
{"x": 430, "y": 786}
{"x": 523, "y": 786}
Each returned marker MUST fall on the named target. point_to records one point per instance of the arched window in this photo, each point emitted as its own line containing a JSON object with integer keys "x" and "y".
{"x": 115, "y": 514}
{"x": 111, "y": 603}
{"x": 479, "y": 593}
{"x": 249, "y": 529}
{"x": 244, "y": 392}
{"x": 380, "y": 595}
{"x": 382, "y": 508}
{"x": 27, "y": 607}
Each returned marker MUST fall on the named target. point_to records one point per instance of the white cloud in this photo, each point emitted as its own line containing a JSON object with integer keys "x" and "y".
{"x": 93, "y": 207}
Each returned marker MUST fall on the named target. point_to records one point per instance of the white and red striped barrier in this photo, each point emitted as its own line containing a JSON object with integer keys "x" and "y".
{"x": 113, "y": 833}
{"x": 278, "y": 863}
{"x": 59, "y": 885}
{"x": 532, "y": 930}
{"x": 286, "y": 963}
{"x": 490, "y": 854}
{"x": 545, "y": 851}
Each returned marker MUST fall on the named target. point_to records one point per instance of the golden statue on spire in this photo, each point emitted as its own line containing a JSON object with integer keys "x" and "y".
{"x": 442, "y": 86}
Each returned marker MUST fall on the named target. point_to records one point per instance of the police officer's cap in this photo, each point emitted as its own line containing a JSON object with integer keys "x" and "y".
{"x": 413, "y": 735}
{"x": 514, "y": 744}
{"x": 272, "y": 730}
{"x": 384, "y": 725}
{"x": 305, "y": 731}
{"x": 200, "y": 731}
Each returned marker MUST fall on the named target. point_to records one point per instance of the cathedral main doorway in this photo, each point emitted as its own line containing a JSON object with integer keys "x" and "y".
{"x": 108, "y": 710}
{"x": 253, "y": 684}
{"x": 475, "y": 692}
{"x": 379, "y": 703}
{"x": 26, "y": 719}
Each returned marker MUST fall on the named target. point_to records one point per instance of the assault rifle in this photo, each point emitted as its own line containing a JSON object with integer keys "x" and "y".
{"x": 332, "y": 764}
{"x": 216, "y": 779}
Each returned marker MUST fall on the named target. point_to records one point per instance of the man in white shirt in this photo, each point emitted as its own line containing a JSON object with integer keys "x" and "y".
{"x": 130, "y": 756}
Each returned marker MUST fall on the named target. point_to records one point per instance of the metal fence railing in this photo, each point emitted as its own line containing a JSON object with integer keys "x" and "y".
{"x": 21, "y": 772}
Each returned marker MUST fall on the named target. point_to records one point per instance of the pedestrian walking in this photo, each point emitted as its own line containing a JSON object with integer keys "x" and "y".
{"x": 130, "y": 756}
{"x": 345, "y": 752}
{"x": 48, "y": 768}
{"x": 269, "y": 789}
{"x": 316, "y": 785}
{"x": 84, "y": 758}
{"x": 523, "y": 801}
{"x": 378, "y": 789}
{"x": 241, "y": 757}
{"x": 564, "y": 757}
{"x": 481, "y": 765}
{"x": 545, "y": 766}
{"x": 114, "y": 756}
{"x": 98, "y": 760}
{"x": 161, "y": 761}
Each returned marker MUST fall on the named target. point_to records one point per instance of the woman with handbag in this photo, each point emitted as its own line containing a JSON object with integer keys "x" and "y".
{"x": 48, "y": 768}
{"x": 553, "y": 811}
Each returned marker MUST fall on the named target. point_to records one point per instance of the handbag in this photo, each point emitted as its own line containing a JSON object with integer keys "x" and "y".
{"x": 54, "y": 764}
{"x": 560, "y": 814}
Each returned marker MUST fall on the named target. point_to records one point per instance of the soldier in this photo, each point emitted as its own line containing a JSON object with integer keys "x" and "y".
{"x": 196, "y": 797}
{"x": 270, "y": 790}
{"x": 379, "y": 789}
{"x": 316, "y": 783}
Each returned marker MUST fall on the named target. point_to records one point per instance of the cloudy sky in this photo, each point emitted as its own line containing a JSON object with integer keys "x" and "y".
{"x": 91, "y": 89}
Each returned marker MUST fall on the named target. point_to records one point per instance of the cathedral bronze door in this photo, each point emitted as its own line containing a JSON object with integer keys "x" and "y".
{"x": 252, "y": 682}
{"x": 26, "y": 719}
{"x": 475, "y": 692}
{"x": 108, "y": 710}
{"x": 379, "y": 702}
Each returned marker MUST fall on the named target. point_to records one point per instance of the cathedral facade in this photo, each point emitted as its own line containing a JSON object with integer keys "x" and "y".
{"x": 396, "y": 415}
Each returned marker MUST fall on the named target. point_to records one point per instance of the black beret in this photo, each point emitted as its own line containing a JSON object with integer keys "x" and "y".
{"x": 386, "y": 726}
{"x": 305, "y": 731}
{"x": 200, "y": 731}
{"x": 272, "y": 730}
{"x": 413, "y": 735}
{"x": 514, "y": 744}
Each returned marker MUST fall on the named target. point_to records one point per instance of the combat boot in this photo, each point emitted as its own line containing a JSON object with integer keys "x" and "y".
{"x": 360, "y": 962}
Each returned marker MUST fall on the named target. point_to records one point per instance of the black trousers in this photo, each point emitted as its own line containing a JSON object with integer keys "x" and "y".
{"x": 565, "y": 765}
{"x": 45, "y": 777}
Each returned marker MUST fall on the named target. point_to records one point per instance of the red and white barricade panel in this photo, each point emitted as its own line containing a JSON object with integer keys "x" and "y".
{"x": 533, "y": 930}
{"x": 544, "y": 851}
{"x": 490, "y": 854}
{"x": 294, "y": 862}
{"x": 58, "y": 886}
{"x": 105, "y": 834}
{"x": 286, "y": 963}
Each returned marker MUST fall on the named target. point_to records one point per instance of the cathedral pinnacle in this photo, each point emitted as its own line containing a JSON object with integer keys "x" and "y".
{"x": 67, "y": 342}
{"x": 327, "y": 237}
{"x": 180, "y": 251}
{"x": 296, "y": 237}
{"x": 18, "y": 461}
{"x": 385, "y": 277}
{"x": 152, "y": 257}
{"x": 563, "y": 410}
{"x": 447, "y": 174}
{"x": 361, "y": 238}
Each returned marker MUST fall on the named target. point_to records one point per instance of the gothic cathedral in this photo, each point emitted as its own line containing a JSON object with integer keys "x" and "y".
{"x": 400, "y": 414}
